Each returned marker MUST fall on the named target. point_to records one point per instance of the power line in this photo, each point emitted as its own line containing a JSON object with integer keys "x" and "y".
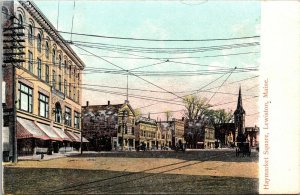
{"x": 220, "y": 86}
{"x": 131, "y": 73}
{"x": 165, "y": 40}
{"x": 170, "y": 58}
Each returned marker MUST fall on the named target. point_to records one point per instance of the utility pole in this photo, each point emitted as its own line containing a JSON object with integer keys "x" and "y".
{"x": 1, "y": 110}
{"x": 127, "y": 87}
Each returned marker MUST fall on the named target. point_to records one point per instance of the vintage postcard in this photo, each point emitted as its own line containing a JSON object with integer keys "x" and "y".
{"x": 149, "y": 97}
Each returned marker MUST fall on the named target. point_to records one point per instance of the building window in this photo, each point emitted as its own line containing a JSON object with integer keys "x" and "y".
{"x": 30, "y": 61}
{"x": 30, "y": 33}
{"x": 70, "y": 71}
{"x": 65, "y": 66}
{"x": 47, "y": 74}
{"x": 59, "y": 83}
{"x": 77, "y": 95}
{"x": 74, "y": 93}
{"x": 43, "y": 105}
{"x": 20, "y": 20}
{"x": 25, "y": 97}
{"x": 58, "y": 115}
{"x": 39, "y": 71}
{"x": 70, "y": 90}
{"x": 76, "y": 120}
{"x": 53, "y": 79}
{"x": 47, "y": 49}
{"x": 39, "y": 42}
{"x": 65, "y": 87}
{"x": 68, "y": 117}
{"x": 59, "y": 61}
{"x": 53, "y": 56}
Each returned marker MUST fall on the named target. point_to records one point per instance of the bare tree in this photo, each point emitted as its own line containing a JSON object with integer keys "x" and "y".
{"x": 137, "y": 113}
{"x": 196, "y": 108}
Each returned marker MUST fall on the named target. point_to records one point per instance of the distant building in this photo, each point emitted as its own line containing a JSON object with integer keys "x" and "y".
{"x": 108, "y": 126}
{"x": 165, "y": 130}
{"x": 146, "y": 131}
{"x": 252, "y": 135}
{"x": 227, "y": 132}
{"x": 209, "y": 137}
{"x": 172, "y": 131}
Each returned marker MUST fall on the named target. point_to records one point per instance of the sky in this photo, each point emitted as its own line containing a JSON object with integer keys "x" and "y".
{"x": 164, "y": 20}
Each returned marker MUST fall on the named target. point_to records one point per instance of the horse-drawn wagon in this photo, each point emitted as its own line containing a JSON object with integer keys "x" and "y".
{"x": 243, "y": 148}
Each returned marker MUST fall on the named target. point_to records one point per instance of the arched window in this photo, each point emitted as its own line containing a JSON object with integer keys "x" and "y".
{"x": 20, "y": 20}
{"x": 30, "y": 33}
{"x": 47, "y": 49}
{"x": 58, "y": 114}
{"x": 39, "y": 42}
{"x": 53, "y": 56}
{"x": 59, "y": 61}
{"x": 65, "y": 66}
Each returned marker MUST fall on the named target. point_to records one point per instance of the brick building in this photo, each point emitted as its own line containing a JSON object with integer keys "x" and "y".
{"x": 42, "y": 75}
{"x": 108, "y": 126}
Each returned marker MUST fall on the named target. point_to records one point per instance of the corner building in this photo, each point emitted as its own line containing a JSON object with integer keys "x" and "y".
{"x": 43, "y": 94}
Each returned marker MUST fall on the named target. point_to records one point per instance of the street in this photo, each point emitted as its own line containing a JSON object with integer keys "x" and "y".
{"x": 204, "y": 171}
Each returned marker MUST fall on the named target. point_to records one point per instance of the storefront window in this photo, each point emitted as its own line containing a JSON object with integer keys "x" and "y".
{"x": 68, "y": 117}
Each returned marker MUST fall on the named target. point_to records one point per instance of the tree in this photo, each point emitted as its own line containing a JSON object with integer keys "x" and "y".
{"x": 137, "y": 112}
{"x": 196, "y": 108}
{"x": 218, "y": 118}
{"x": 196, "y": 113}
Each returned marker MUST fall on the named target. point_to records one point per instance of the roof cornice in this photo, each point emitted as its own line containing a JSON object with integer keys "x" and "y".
{"x": 37, "y": 14}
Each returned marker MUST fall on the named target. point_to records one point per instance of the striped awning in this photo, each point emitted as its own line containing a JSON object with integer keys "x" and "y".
{"x": 61, "y": 134}
{"x": 28, "y": 129}
{"x": 49, "y": 131}
{"x": 73, "y": 137}
{"x": 83, "y": 138}
{"x": 76, "y": 137}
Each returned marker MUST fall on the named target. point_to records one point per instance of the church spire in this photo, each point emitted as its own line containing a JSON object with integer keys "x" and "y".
{"x": 239, "y": 119}
{"x": 239, "y": 107}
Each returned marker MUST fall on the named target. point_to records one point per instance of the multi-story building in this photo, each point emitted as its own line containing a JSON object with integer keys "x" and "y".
{"x": 43, "y": 76}
{"x": 209, "y": 137}
{"x": 146, "y": 132}
{"x": 252, "y": 134}
{"x": 166, "y": 133}
{"x": 172, "y": 132}
{"x": 109, "y": 126}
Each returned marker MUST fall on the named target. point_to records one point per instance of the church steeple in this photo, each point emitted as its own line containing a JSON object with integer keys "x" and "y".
{"x": 239, "y": 118}
{"x": 239, "y": 107}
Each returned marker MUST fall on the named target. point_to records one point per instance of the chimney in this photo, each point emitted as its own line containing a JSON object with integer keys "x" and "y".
{"x": 87, "y": 103}
{"x": 108, "y": 102}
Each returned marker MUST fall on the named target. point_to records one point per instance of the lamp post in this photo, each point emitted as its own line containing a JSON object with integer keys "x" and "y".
{"x": 124, "y": 121}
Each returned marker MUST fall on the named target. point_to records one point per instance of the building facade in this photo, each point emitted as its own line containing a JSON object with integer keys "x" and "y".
{"x": 43, "y": 77}
{"x": 252, "y": 134}
{"x": 147, "y": 132}
{"x": 209, "y": 137}
{"x": 109, "y": 126}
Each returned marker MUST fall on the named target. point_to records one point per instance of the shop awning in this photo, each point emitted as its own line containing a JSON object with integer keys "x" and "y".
{"x": 79, "y": 136}
{"x": 28, "y": 129}
{"x": 61, "y": 134}
{"x": 49, "y": 131}
{"x": 75, "y": 137}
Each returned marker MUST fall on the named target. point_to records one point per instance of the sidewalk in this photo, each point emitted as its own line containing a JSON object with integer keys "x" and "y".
{"x": 47, "y": 157}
